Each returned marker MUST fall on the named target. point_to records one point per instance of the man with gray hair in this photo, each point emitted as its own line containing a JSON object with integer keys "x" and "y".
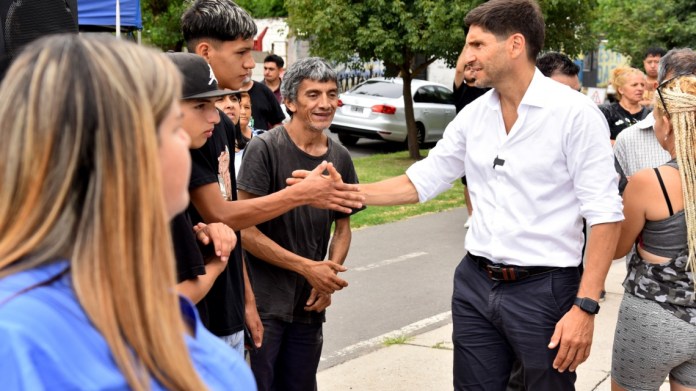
{"x": 223, "y": 34}
{"x": 291, "y": 309}
{"x": 636, "y": 147}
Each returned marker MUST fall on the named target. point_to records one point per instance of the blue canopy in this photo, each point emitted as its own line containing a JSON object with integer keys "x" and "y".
{"x": 103, "y": 13}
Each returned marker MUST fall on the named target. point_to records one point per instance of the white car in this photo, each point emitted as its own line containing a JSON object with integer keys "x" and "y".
{"x": 375, "y": 109}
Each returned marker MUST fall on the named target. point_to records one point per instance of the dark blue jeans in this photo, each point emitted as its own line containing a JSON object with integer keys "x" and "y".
{"x": 495, "y": 322}
{"x": 289, "y": 357}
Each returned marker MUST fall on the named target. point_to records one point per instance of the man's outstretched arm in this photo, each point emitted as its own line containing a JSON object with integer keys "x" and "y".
{"x": 398, "y": 190}
{"x": 317, "y": 190}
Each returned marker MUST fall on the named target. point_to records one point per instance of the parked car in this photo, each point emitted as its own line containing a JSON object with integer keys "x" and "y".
{"x": 375, "y": 109}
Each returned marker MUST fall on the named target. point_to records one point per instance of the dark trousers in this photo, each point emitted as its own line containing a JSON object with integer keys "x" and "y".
{"x": 497, "y": 322}
{"x": 289, "y": 357}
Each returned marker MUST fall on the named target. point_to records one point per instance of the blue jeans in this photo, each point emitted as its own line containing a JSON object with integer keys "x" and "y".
{"x": 289, "y": 357}
{"x": 496, "y": 322}
{"x": 236, "y": 341}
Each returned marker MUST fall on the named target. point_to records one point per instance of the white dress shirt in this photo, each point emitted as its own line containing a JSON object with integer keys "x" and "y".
{"x": 558, "y": 168}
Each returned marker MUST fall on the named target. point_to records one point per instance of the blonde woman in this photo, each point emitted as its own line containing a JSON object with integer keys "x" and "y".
{"x": 656, "y": 330}
{"x": 94, "y": 164}
{"x": 629, "y": 84}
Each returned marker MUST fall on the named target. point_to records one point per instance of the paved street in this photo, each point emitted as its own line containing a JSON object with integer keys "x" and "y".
{"x": 400, "y": 278}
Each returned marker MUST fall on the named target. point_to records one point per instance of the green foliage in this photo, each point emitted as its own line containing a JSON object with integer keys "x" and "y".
{"x": 162, "y": 23}
{"x": 569, "y": 25}
{"x": 264, "y": 8}
{"x": 394, "y": 31}
{"x": 389, "y": 30}
{"x": 631, "y": 26}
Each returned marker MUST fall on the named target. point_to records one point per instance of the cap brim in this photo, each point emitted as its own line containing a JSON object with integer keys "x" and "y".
{"x": 211, "y": 94}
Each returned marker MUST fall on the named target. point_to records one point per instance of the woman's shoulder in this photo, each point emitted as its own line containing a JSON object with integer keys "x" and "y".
{"x": 646, "y": 179}
{"x": 610, "y": 109}
{"x": 38, "y": 292}
{"x": 39, "y": 307}
{"x": 47, "y": 336}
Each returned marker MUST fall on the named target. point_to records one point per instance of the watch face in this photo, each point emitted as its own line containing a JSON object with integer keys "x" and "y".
{"x": 591, "y": 306}
{"x": 587, "y": 305}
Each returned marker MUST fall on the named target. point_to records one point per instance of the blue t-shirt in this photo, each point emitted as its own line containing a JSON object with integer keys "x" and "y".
{"x": 47, "y": 341}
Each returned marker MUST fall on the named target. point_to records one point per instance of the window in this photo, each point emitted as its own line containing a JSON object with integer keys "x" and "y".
{"x": 384, "y": 89}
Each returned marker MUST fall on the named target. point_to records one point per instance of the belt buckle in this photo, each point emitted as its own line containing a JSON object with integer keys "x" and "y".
{"x": 495, "y": 272}
{"x": 502, "y": 273}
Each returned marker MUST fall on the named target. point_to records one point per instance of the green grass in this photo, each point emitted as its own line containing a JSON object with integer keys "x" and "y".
{"x": 382, "y": 166}
{"x": 398, "y": 340}
{"x": 440, "y": 345}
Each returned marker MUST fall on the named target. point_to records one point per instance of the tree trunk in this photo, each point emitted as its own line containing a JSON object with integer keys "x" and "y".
{"x": 412, "y": 137}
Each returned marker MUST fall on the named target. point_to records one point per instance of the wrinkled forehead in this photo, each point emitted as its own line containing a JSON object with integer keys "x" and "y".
{"x": 309, "y": 84}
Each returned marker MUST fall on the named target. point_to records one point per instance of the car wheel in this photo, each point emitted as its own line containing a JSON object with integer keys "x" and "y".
{"x": 420, "y": 133}
{"x": 347, "y": 139}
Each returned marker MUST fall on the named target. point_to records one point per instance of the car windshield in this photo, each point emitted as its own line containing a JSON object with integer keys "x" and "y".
{"x": 378, "y": 88}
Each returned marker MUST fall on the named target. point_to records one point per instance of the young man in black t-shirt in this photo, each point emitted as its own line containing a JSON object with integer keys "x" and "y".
{"x": 222, "y": 33}
{"x": 196, "y": 271}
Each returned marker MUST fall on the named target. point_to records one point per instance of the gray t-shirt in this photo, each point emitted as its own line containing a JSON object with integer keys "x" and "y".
{"x": 269, "y": 160}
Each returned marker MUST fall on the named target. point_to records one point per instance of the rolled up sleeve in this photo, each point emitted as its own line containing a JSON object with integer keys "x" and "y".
{"x": 444, "y": 164}
{"x": 590, "y": 160}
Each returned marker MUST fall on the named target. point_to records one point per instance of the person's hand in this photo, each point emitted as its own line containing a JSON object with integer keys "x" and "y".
{"x": 322, "y": 276}
{"x": 253, "y": 323}
{"x": 317, "y": 301}
{"x": 223, "y": 238}
{"x": 327, "y": 191}
{"x": 574, "y": 333}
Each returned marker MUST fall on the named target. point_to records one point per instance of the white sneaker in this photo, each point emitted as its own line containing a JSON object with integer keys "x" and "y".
{"x": 467, "y": 224}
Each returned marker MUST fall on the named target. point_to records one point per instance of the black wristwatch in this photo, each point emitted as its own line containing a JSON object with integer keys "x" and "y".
{"x": 588, "y": 305}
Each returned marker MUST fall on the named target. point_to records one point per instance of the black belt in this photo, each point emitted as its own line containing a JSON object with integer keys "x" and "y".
{"x": 501, "y": 272}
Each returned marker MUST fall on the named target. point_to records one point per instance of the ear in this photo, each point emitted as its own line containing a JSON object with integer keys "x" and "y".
{"x": 203, "y": 49}
{"x": 517, "y": 45}
{"x": 668, "y": 124}
{"x": 665, "y": 122}
{"x": 290, "y": 105}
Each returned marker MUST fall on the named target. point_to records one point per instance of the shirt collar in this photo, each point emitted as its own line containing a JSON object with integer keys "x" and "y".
{"x": 647, "y": 122}
{"x": 536, "y": 94}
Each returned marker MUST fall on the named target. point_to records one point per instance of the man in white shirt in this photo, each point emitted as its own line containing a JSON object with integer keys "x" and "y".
{"x": 536, "y": 155}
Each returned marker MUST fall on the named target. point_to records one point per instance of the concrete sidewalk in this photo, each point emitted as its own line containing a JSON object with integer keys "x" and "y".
{"x": 424, "y": 362}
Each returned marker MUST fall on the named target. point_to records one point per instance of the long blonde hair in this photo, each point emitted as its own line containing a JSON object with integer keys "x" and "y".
{"x": 679, "y": 95}
{"x": 81, "y": 181}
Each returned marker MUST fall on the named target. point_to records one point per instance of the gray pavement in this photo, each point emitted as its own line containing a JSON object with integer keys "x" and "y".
{"x": 424, "y": 361}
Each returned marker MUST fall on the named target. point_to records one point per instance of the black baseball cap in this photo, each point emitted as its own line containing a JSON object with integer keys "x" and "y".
{"x": 198, "y": 78}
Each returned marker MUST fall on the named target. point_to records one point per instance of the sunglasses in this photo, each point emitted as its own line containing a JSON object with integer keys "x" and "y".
{"x": 659, "y": 92}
